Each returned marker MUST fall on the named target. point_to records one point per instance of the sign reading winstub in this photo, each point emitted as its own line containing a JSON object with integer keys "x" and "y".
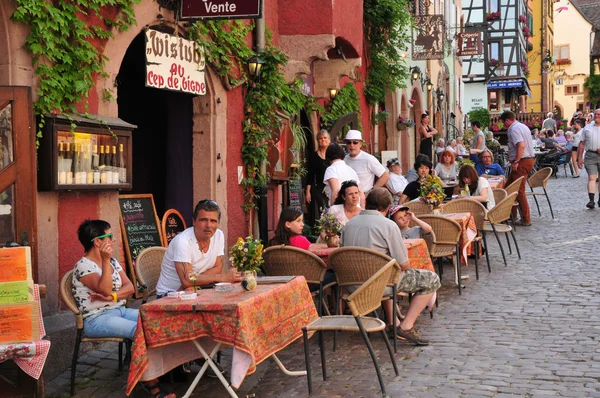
{"x": 174, "y": 63}
{"x": 221, "y": 9}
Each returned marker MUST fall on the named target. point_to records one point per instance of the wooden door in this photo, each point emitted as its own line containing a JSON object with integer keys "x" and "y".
{"x": 17, "y": 169}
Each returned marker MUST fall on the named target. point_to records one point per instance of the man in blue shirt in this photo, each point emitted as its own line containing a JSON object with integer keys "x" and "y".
{"x": 486, "y": 165}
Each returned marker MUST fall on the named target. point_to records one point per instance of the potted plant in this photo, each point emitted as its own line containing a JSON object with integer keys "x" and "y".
{"x": 522, "y": 19}
{"x": 330, "y": 226}
{"x": 492, "y": 16}
{"x": 404, "y": 123}
{"x": 496, "y": 63}
{"x": 246, "y": 256}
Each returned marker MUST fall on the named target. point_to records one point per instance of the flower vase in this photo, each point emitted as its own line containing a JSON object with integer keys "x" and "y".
{"x": 436, "y": 210}
{"x": 249, "y": 280}
{"x": 332, "y": 240}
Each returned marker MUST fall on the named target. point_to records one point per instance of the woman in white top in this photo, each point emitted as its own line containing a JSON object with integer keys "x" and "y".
{"x": 347, "y": 203}
{"x": 479, "y": 187}
{"x": 337, "y": 173}
{"x": 447, "y": 169}
{"x": 578, "y": 126}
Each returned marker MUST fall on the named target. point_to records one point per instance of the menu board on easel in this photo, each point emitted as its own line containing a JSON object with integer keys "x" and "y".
{"x": 140, "y": 228}
{"x": 172, "y": 225}
{"x": 295, "y": 191}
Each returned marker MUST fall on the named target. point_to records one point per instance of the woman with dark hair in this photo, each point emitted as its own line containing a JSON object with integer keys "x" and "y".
{"x": 101, "y": 288}
{"x": 338, "y": 172}
{"x": 316, "y": 166}
{"x": 479, "y": 187}
{"x": 347, "y": 203}
{"x": 427, "y": 133}
{"x": 289, "y": 229}
{"x": 413, "y": 190}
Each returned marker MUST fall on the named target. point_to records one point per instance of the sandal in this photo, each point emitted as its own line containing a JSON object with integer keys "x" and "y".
{"x": 155, "y": 390}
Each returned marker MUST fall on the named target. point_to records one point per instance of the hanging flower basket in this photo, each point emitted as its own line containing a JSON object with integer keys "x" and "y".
{"x": 403, "y": 124}
{"x": 492, "y": 16}
{"x": 522, "y": 19}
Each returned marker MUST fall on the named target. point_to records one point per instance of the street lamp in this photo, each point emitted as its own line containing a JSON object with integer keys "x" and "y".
{"x": 429, "y": 85}
{"x": 333, "y": 92}
{"x": 415, "y": 74}
{"x": 255, "y": 67}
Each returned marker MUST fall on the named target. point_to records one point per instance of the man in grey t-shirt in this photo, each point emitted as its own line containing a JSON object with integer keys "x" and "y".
{"x": 549, "y": 123}
{"x": 478, "y": 143}
{"x": 372, "y": 230}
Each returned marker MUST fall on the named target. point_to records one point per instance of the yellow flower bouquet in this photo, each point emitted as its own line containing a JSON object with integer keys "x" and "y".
{"x": 431, "y": 192}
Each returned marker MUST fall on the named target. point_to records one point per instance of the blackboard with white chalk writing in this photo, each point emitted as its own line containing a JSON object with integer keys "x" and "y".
{"x": 295, "y": 191}
{"x": 140, "y": 227}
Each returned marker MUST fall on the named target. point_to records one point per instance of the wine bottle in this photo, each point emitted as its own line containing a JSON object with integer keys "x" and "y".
{"x": 75, "y": 168}
{"x": 62, "y": 174}
{"x": 102, "y": 165}
{"x": 69, "y": 165}
{"x": 115, "y": 166}
{"x": 122, "y": 168}
{"x": 95, "y": 164}
{"x": 87, "y": 163}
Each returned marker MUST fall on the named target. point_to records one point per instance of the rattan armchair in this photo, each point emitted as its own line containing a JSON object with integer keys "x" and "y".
{"x": 496, "y": 218}
{"x": 66, "y": 294}
{"x": 447, "y": 234}
{"x": 147, "y": 269}
{"x": 499, "y": 194}
{"x": 514, "y": 187}
{"x": 539, "y": 180}
{"x": 479, "y": 214}
{"x": 288, "y": 260}
{"x": 418, "y": 207}
{"x": 366, "y": 299}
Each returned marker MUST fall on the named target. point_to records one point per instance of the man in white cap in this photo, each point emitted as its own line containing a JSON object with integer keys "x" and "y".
{"x": 366, "y": 166}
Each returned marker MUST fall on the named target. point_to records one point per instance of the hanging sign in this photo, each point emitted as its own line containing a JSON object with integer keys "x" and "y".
{"x": 469, "y": 44}
{"x": 221, "y": 9}
{"x": 174, "y": 63}
{"x": 429, "y": 41}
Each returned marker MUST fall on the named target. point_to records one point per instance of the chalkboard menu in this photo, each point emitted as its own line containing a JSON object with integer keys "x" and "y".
{"x": 139, "y": 227}
{"x": 295, "y": 191}
{"x": 172, "y": 224}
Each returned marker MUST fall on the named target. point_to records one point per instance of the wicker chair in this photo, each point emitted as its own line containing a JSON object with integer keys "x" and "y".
{"x": 514, "y": 187}
{"x": 147, "y": 269}
{"x": 539, "y": 180}
{"x": 366, "y": 299}
{"x": 355, "y": 265}
{"x": 447, "y": 234}
{"x": 418, "y": 208}
{"x": 288, "y": 260}
{"x": 66, "y": 294}
{"x": 496, "y": 218}
{"x": 499, "y": 194}
{"x": 479, "y": 213}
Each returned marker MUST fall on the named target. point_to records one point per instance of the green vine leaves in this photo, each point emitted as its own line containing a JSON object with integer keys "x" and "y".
{"x": 346, "y": 101}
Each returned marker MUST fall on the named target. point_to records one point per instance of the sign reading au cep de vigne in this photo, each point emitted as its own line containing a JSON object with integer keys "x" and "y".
{"x": 221, "y": 9}
{"x": 174, "y": 63}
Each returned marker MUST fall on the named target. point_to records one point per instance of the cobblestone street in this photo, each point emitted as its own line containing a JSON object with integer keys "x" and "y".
{"x": 529, "y": 329}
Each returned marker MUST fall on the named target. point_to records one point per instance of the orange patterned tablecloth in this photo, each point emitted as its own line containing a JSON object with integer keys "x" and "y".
{"x": 257, "y": 324}
{"x": 418, "y": 254}
{"x": 469, "y": 232}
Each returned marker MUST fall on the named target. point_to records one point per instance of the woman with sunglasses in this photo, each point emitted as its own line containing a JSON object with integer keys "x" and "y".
{"x": 101, "y": 288}
{"x": 427, "y": 133}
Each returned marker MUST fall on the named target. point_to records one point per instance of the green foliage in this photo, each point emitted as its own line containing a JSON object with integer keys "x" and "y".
{"x": 387, "y": 30}
{"x": 381, "y": 116}
{"x": 592, "y": 84}
{"x": 481, "y": 115}
{"x": 346, "y": 101}
{"x": 64, "y": 59}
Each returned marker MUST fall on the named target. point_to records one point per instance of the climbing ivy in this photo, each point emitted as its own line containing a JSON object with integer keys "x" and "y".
{"x": 592, "y": 84}
{"x": 65, "y": 60}
{"x": 387, "y": 31}
{"x": 346, "y": 101}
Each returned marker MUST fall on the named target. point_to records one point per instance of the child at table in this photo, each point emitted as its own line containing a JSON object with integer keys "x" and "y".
{"x": 403, "y": 217}
{"x": 289, "y": 229}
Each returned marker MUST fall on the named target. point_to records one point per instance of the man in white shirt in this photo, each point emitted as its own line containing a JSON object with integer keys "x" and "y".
{"x": 198, "y": 252}
{"x": 366, "y": 166}
{"x": 590, "y": 142}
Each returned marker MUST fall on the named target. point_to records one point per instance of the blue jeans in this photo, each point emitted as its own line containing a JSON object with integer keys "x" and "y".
{"x": 117, "y": 322}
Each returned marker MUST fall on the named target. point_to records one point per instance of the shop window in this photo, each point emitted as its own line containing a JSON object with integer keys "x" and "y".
{"x": 572, "y": 89}
{"x": 493, "y": 100}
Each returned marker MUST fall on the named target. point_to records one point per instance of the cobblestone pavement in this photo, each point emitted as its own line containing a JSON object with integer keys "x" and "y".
{"x": 528, "y": 330}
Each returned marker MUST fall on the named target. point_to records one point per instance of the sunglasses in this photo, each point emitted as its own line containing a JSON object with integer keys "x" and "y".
{"x": 353, "y": 142}
{"x": 349, "y": 182}
{"x": 103, "y": 236}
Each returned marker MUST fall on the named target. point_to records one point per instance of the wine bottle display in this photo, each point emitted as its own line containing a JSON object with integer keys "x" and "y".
{"x": 95, "y": 162}
{"x": 69, "y": 165}
{"x": 76, "y": 165}
{"x": 115, "y": 167}
{"x": 102, "y": 166}
{"x": 62, "y": 173}
{"x": 122, "y": 169}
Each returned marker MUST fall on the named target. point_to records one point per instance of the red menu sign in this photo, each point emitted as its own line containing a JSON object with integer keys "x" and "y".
{"x": 221, "y": 9}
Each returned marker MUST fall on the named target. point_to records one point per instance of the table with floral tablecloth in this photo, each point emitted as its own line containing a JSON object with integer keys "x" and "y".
{"x": 496, "y": 182}
{"x": 469, "y": 232}
{"x": 418, "y": 254}
{"x": 257, "y": 324}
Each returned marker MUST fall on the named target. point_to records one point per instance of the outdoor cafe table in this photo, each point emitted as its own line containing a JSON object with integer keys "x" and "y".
{"x": 418, "y": 254}
{"x": 496, "y": 182}
{"x": 469, "y": 232}
{"x": 259, "y": 323}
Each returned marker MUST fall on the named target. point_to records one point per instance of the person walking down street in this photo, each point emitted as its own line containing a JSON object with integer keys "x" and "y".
{"x": 314, "y": 178}
{"x": 478, "y": 143}
{"x": 590, "y": 142}
{"x": 427, "y": 133}
{"x": 366, "y": 166}
{"x": 577, "y": 129}
{"x": 521, "y": 157}
{"x": 549, "y": 123}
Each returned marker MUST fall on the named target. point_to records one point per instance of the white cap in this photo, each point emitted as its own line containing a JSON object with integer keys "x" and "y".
{"x": 354, "y": 135}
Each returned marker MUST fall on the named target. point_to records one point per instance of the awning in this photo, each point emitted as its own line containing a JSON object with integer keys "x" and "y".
{"x": 510, "y": 83}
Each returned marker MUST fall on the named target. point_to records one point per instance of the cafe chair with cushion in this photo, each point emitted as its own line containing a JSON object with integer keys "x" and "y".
{"x": 147, "y": 269}
{"x": 418, "y": 207}
{"x": 539, "y": 180}
{"x": 496, "y": 218}
{"x": 354, "y": 266}
{"x": 291, "y": 261}
{"x": 446, "y": 235}
{"x": 363, "y": 301}
{"x": 479, "y": 214}
{"x": 66, "y": 295}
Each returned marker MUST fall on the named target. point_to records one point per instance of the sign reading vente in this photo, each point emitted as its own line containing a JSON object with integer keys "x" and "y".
{"x": 174, "y": 63}
{"x": 221, "y": 9}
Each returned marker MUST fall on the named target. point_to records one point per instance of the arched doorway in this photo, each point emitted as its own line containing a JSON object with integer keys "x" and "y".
{"x": 162, "y": 142}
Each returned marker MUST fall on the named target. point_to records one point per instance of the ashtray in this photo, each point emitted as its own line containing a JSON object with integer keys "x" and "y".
{"x": 224, "y": 287}
{"x": 188, "y": 296}
{"x": 174, "y": 294}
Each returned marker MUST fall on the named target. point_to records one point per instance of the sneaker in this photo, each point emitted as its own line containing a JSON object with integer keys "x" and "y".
{"x": 411, "y": 335}
{"x": 590, "y": 204}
